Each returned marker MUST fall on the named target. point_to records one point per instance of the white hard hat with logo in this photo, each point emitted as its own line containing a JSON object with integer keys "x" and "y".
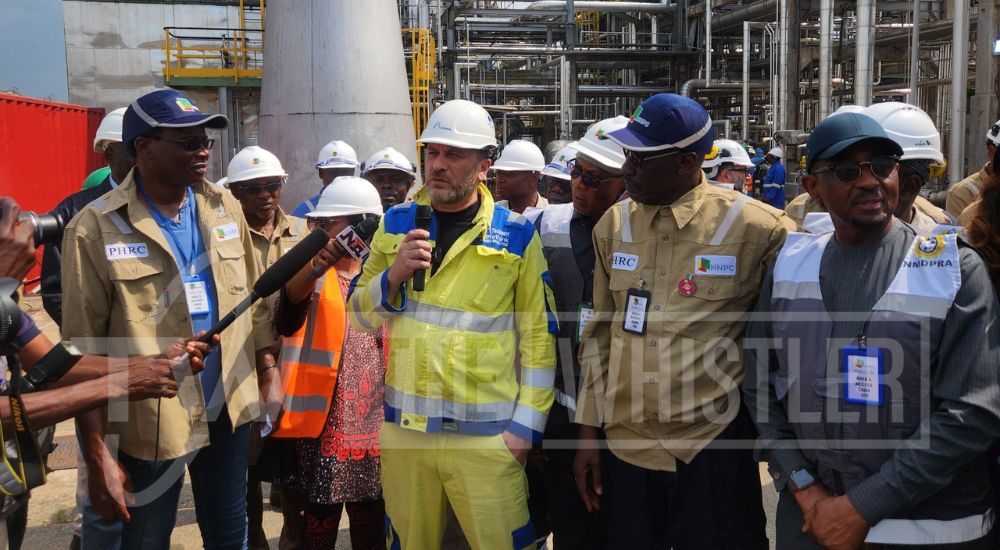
{"x": 520, "y": 155}
{"x": 347, "y": 196}
{"x": 559, "y": 167}
{"x": 251, "y": 163}
{"x": 910, "y": 127}
{"x": 776, "y": 152}
{"x": 389, "y": 159}
{"x": 725, "y": 151}
{"x": 460, "y": 123}
{"x": 337, "y": 154}
{"x": 110, "y": 129}
{"x": 608, "y": 154}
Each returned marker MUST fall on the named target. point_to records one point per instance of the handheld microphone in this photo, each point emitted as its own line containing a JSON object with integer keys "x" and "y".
{"x": 422, "y": 220}
{"x": 283, "y": 269}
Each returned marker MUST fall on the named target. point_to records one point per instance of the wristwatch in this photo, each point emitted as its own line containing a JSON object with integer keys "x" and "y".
{"x": 800, "y": 479}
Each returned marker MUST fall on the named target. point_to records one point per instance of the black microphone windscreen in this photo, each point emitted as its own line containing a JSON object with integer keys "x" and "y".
{"x": 285, "y": 267}
{"x": 422, "y": 217}
{"x": 366, "y": 229}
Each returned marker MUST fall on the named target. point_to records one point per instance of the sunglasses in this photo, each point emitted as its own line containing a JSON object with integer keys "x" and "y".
{"x": 638, "y": 161}
{"x": 848, "y": 171}
{"x": 589, "y": 180}
{"x": 191, "y": 144}
{"x": 272, "y": 188}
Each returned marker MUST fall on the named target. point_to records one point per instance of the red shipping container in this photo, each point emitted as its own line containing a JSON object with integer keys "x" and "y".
{"x": 46, "y": 151}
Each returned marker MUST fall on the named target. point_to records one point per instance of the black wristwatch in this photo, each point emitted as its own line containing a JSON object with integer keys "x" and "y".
{"x": 800, "y": 479}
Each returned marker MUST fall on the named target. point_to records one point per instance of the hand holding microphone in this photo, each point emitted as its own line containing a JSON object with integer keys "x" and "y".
{"x": 414, "y": 256}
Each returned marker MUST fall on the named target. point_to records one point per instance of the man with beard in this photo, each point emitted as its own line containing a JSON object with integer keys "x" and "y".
{"x": 163, "y": 256}
{"x": 392, "y": 174}
{"x": 459, "y": 417}
{"x": 874, "y": 379}
{"x": 255, "y": 177}
{"x": 678, "y": 265}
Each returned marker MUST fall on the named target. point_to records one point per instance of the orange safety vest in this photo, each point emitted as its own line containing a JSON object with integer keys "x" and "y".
{"x": 309, "y": 361}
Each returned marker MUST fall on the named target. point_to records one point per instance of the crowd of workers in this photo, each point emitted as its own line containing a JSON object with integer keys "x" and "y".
{"x": 605, "y": 362}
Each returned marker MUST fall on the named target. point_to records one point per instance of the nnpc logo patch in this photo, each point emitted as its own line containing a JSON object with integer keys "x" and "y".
{"x": 718, "y": 266}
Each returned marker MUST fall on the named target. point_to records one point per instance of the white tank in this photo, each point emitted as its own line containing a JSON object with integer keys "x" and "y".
{"x": 333, "y": 69}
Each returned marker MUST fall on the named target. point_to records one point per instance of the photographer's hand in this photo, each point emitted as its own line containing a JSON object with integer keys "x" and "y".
{"x": 17, "y": 247}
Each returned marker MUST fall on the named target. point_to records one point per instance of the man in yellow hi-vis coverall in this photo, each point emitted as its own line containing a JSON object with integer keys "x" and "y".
{"x": 472, "y": 356}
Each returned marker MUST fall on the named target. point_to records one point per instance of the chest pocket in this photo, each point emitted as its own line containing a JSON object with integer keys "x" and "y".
{"x": 494, "y": 293}
{"x": 232, "y": 267}
{"x": 139, "y": 289}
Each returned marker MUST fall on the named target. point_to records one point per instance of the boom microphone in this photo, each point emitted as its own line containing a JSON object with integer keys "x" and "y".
{"x": 283, "y": 269}
{"x": 422, "y": 220}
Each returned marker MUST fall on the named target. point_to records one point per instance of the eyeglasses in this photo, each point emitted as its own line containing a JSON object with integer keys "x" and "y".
{"x": 639, "y": 161}
{"x": 589, "y": 180}
{"x": 272, "y": 188}
{"x": 191, "y": 144}
{"x": 848, "y": 171}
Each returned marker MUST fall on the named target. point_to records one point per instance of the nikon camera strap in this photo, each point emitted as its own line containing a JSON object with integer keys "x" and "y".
{"x": 25, "y": 469}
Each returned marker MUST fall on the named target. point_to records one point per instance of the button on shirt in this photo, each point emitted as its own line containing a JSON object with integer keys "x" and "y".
{"x": 664, "y": 395}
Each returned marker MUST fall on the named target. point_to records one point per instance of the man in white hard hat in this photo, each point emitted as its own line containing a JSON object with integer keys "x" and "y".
{"x": 556, "y": 176}
{"x": 392, "y": 174}
{"x": 108, "y": 142}
{"x": 727, "y": 164}
{"x": 914, "y": 131}
{"x": 773, "y": 191}
{"x": 255, "y": 177}
{"x": 965, "y": 192}
{"x": 335, "y": 159}
{"x": 459, "y": 420}
{"x": 566, "y": 231}
{"x": 517, "y": 172}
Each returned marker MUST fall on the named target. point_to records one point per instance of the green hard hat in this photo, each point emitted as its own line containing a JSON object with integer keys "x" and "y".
{"x": 96, "y": 177}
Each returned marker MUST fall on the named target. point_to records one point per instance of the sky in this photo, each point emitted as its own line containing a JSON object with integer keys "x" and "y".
{"x": 33, "y": 48}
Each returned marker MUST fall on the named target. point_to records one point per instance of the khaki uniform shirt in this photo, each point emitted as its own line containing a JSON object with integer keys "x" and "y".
{"x": 288, "y": 231}
{"x": 969, "y": 213}
{"x": 800, "y": 206}
{"x": 665, "y": 395}
{"x": 123, "y": 295}
{"x": 963, "y": 193}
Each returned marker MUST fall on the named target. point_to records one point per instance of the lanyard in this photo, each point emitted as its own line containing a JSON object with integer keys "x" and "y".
{"x": 192, "y": 219}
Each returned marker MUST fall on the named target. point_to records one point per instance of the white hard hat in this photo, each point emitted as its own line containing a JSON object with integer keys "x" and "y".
{"x": 520, "y": 155}
{"x": 389, "y": 159}
{"x": 253, "y": 162}
{"x": 605, "y": 152}
{"x": 777, "y": 152}
{"x": 727, "y": 151}
{"x": 460, "y": 123}
{"x": 848, "y": 109}
{"x": 337, "y": 154}
{"x": 993, "y": 134}
{"x": 910, "y": 127}
{"x": 559, "y": 167}
{"x": 110, "y": 129}
{"x": 347, "y": 196}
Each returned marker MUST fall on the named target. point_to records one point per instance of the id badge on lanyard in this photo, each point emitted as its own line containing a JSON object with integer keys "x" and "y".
{"x": 196, "y": 292}
{"x": 863, "y": 367}
{"x": 584, "y": 314}
{"x": 636, "y": 309}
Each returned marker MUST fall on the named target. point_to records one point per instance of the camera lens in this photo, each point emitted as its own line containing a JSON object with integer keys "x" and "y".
{"x": 48, "y": 227}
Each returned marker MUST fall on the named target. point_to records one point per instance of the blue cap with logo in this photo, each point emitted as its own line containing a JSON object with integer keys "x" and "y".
{"x": 835, "y": 134}
{"x": 667, "y": 121}
{"x": 165, "y": 109}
